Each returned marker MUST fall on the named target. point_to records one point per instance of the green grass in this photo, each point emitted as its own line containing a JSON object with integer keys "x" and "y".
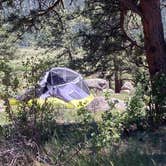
{"x": 70, "y": 115}
{"x": 122, "y": 96}
{"x": 142, "y": 149}
{"x": 3, "y": 118}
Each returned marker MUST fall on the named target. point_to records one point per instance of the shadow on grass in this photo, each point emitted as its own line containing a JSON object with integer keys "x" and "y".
{"x": 71, "y": 146}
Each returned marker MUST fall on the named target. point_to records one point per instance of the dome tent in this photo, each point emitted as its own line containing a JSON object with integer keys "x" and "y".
{"x": 61, "y": 87}
{"x": 65, "y": 84}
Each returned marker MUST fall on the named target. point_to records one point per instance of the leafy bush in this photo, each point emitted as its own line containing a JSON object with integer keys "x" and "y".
{"x": 154, "y": 95}
{"x": 136, "y": 107}
{"x": 114, "y": 123}
{"x": 36, "y": 121}
{"x": 33, "y": 120}
{"x": 158, "y": 99}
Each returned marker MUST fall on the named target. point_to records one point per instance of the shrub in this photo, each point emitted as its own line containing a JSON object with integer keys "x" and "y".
{"x": 136, "y": 107}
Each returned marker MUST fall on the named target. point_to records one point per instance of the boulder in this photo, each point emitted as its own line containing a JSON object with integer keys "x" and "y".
{"x": 119, "y": 104}
{"x": 97, "y": 83}
{"x": 2, "y": 106}
{"x": 127, "y": 86}
{"x": 98, "y": 104}
{"x": 125, "y": 91}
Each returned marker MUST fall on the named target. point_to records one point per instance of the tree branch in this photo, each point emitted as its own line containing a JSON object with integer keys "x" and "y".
{"x": 122, "y": 18}
{"x": 51, "y": 8}
{"x": 126, "y": 5}
{"x": 130, "y": 5}
{"x": 29, "y": 20}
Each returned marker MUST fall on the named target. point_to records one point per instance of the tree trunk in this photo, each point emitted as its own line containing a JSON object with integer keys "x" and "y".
{"x": 155, "y": 49}
{"x": 155, "y": 46}
{"x": 117, "y": 83}
{"x": 116, "y": 75}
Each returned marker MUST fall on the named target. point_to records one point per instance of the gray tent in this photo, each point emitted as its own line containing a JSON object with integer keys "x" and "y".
{"x": 63, "y": 83}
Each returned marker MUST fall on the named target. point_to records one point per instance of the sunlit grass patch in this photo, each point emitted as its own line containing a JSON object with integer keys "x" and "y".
{"x": 121, "y": 96}
{"x": 3, "y": 118}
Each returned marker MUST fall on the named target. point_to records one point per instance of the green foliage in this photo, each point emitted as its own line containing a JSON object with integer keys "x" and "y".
{"x": 7, "y": 40}
{"x": 85, "y": 115}
{"x": 51, "y": 31}
{"x": 141, "y": 79}
{"x": 158, "y": 83}
{"x": 114, "y": 123}
{"x": 31, "y": 120}
{"x": 158, "y": 98}
{"x": 136, "y": 107}
{"x": 34, "y": 68}
{"x": 118, "y": 155}
{"x": 35, "y": 121}
{"x": 110, "y": 129}
{"x": 100, "y": 37}
{"x": 153, "y": 94}
{"x": 9, "y": 82}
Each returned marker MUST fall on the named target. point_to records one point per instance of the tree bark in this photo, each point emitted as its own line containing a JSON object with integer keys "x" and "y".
{"x": 117, "y": 76}
{"x": 155, "y": 50}
{"x": 155, "y": 46}
{"x": 118, "y": 84}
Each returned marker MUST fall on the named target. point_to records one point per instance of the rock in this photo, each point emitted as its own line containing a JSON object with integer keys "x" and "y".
{"x": 98, "y": 104}
{"x": 127, "y": 86}
{"x": 119, "y": 104}
{"x": 97, "y": 83}
{"x": 2, "y": 106}
{"x": 125, "y": 91}
{"x": 2, "y": 109}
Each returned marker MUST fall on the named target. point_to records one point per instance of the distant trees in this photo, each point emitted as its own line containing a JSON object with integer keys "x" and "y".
{"x": 107, "y": 50}
{"x": 26, "y": 15}
{"x": 149, "y": 12}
